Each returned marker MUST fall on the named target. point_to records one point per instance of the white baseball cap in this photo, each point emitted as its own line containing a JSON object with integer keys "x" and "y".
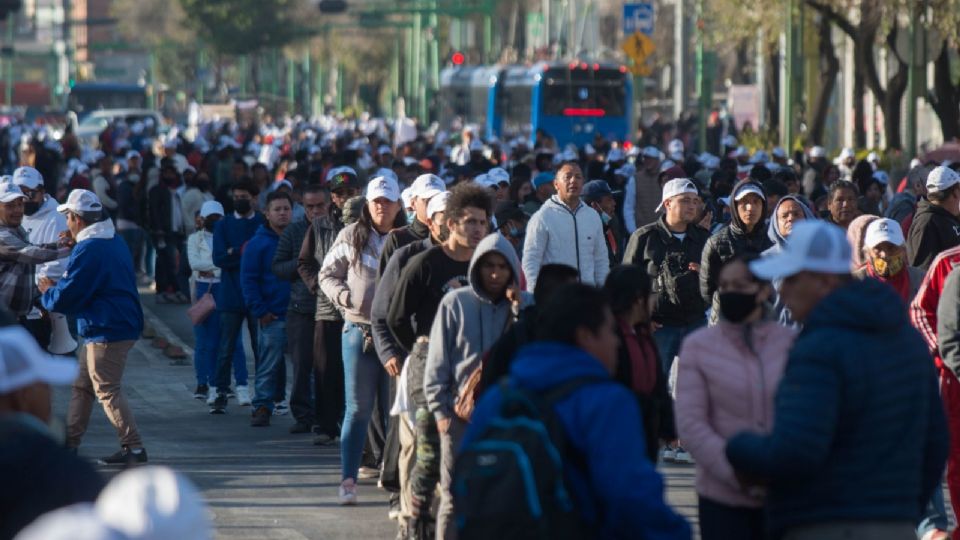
{"x": 154, "y": 502}
{"x": 778, "y": 152}
{"x": 211, "y": 208}
{"x": 133, "y": 154}
{"x": 813, "y": 245}
{"x": 675, "y": 147}
{"x": 616, "y": 154}
{"x": 847, "y": 152}
{"x": 651, "y": 152}
{"x": 438, "y": 204}
{"x": 10, "y": 192}
{"x": 426, "y": 186}
{"x": 677, "y": 186}
{"x": 75, "y": 522}
{"x": 498, "y": 175}
{"x": 747, "y": 189}
{"x": 883, "y": 230}
{"x": 406, "y": 196}
{"x": 873, "y": 157}
{"x": 23, "y": 363}
{"x": 81, "y": 200}
{"x": 383, "y": 186}
{"x": 383, "y": 171}
{"x": 941, "y": 179}
{"x": 27, "y": 177}
{"x": 627, "y": 170}
{"x": 818, "y": 152}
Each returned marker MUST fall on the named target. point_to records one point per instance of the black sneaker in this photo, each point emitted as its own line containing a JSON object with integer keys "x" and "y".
{"x": 231, "y": 393}
{"x": 219, "y": 405}
{"x": 300, "y": 427}
{"x": 261, "y": 417}
{"x": 126, "y": 456}
{"x": 323, "y": 439}
{"x": 201, "y": 391}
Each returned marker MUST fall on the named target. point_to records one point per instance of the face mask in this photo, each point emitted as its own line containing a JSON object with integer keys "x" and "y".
{"x": 30, "y": 208}
{"x": 888, "y": 267}
{"x": 242, "y": 206}
{"x": 411, "y": 215}
{"x": 735, "y": 306}
{"x": 605, "y": 217}
{"x": 203, "y": 185}
{"x": 515, "y": 232}
{"x": 209, "y": 224}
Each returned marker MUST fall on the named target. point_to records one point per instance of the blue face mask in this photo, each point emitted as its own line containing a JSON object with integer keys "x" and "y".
{"x": 605, "y": 218}
{"x": 411, "y": 216}
{"x": 515, "y": 233}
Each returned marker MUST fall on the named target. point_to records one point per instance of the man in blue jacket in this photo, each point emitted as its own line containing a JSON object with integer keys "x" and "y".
{"x": 618, "y": 493}
{"x": 266, "y": 296}
{"x": 105, "y": 301}
{"x": 229, "y": 238}
{"x": 860, "y": 440}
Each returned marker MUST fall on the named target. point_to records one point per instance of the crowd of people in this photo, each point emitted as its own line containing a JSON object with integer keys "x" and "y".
{"x": 510, "y": 335}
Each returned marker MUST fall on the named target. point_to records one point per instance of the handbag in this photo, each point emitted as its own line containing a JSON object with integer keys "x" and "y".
{"x": 202, "y": 309}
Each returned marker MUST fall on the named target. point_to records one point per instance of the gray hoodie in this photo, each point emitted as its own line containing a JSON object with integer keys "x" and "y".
{"x": 467, "y": 325}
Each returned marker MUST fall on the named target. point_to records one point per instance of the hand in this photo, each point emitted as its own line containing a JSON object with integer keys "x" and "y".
{"x": 44, "y": 283}
{"x": 513, "y": 295}
{"x": 392, "y": 366}
{"x": 443, "y": 425}
{"x": 66, "y": 240}
{"x": 267, "y": 319}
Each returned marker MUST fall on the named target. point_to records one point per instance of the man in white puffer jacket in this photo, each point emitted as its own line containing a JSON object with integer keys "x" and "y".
{"x": 566, "y": 231}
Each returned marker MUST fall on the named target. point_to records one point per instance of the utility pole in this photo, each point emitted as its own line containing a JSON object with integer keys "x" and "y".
{"x": 914, "y": 76}
{"x": 8, "y": 61}
{"x": 679, "y": 58}
{"x": 787, "y": 75}
{"x": 703, "y": 92}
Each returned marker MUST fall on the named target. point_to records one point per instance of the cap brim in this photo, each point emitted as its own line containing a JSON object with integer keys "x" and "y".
{"x": 12, "y": 197}
{"x": 64, "y": 208}
{"x": 776, "y": 266}
{"x": 428, "y": 194}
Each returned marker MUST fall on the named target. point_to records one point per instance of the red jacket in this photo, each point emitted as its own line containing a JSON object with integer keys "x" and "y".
{"x": 923, "y": 309}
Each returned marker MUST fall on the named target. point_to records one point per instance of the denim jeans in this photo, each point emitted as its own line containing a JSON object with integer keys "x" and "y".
{"x": 230, "y": 325}
{"x": 206, "y": 342}
{"x": 668, "y": 340}
{"x": 272, "y": 339}
{"x": 365, "y": 380}
{"x": 134, "y": 240}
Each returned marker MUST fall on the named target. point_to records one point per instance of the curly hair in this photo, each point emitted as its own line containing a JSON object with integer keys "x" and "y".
{"x": 468, "y": 195}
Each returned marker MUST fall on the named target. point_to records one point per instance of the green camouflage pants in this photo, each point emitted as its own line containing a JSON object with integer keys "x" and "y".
{"x": 426, "y": 471}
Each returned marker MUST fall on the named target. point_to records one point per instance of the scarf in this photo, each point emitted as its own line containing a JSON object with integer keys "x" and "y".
{"x": 643, "y": 359}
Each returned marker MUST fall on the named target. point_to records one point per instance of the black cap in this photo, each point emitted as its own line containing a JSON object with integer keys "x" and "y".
{"x": 595, "y": 190}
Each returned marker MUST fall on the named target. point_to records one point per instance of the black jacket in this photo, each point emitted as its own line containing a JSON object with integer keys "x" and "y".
{"x": 933, "y": 230}
{"x": 316, "y": 243}
{"x": 285, "y": 261}
{"x": 673, "y": 266}
{"x": 399, "y": 238}
{"x": 386, "y": 344}
{"x": 160, "y": 208}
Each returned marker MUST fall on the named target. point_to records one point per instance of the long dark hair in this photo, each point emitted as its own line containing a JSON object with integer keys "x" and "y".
{"x": 363, "y": 228}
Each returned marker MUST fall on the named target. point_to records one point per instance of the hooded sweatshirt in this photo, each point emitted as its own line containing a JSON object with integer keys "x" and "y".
{"x": 780, "y": 310}
{"x": 933, "y": 230}
{"x": 837, "y": 419}
{"x": 467, "y": 325}
{"x": 103, "y": 297}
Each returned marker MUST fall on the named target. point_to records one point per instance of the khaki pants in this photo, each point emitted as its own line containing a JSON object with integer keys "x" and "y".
{"x": 101, "y": 369}
{"x": 408, "y": 454}
{"x": 854, "y": 530}
{"x": 449, "y": 446}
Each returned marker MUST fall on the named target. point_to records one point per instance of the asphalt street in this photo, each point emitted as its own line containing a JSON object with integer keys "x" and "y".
{"x": 260, "y": 483}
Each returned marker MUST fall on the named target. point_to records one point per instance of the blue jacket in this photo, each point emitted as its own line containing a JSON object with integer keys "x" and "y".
{"x": 232, "y": 233}
{"x": 99, "y": 288}
{"x": 859, "y": 430}
{"x": 603, "y": 423}
{"x": 263, "y": 291}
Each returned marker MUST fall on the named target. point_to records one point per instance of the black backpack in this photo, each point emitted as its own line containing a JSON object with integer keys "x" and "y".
{"x": 508, "y": 483}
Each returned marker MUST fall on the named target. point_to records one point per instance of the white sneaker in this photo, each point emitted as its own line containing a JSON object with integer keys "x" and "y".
{"x": 211, "y": 395}
{"x": 243, "y": 395}
{"x": 281, "y": 408}
{"x": 366, "y": 473}
{"x": 348, "y": 493}
{"x": 668, "y": 454}
{"x": 683, "y": 456}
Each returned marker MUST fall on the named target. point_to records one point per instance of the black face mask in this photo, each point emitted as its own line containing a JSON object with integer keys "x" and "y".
{"x": 30, "y": 208}
{"x": 209, "y": 224}
{"x": 736, "y": 306}
{"x": 242, "y": 206}
{"x": 203, "y": 185}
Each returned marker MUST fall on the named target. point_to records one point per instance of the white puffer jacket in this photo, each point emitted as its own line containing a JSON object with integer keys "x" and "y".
{"x": 558, "y": 235}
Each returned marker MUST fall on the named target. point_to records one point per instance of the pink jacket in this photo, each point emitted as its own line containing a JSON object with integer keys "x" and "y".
{"x": 724, "y": 387}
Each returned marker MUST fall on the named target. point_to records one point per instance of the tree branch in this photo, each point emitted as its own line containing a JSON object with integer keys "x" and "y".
{"x": 842, "y": 22}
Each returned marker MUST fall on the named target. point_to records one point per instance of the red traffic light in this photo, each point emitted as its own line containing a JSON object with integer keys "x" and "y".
{"x": 457, "y": 58}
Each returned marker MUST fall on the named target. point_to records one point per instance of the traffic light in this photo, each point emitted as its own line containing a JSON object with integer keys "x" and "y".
{"x": 332, "y": 6}
{"x": 457, "y": 58}
{"x": 7, "y": 7}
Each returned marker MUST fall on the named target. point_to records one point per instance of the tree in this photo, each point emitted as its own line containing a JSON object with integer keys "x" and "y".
{"x": 944, "y": 96}
{"x": 238, "y": 27}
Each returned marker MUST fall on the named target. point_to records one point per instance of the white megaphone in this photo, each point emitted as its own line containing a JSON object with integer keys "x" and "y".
{"x": 61, "y": 342}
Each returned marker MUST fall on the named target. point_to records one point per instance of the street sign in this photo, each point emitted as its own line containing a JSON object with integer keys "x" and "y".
{"x": 638, "y": 18}
{"x": 638, "y": 48}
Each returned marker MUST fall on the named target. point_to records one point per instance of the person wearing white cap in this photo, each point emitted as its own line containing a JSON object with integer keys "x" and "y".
{"x": 813, "y": 177}
{"x": 643, "y": 191}
{"x": 18, "y": 256}
{"x": 348, "y": 278}
{"x": 105, "y": 301}
{"x": 567, "y": 231}
{"x": 858, "y": 400}
{"x": 936, "y": 223}
{"x": 424, "y": 188}
{"x": 730, "y": 144}
{"x": 675, "y": 150}
{"x": 846, "y": 161}
{"x": 746, "y": 234}
{"x": 886, "y": 256}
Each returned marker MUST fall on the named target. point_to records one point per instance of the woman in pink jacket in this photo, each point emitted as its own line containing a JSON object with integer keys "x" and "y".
{"x": 726, "y": 381}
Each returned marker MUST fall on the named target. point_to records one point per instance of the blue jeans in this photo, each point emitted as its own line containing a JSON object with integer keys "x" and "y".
{"x": 206, "y": 342}
{"x": 668, "y": 340}
{"x": 271, "y": 339}
{"x": 934, "y": 514}
{"x": 134, "y": 240}
{"x": 365, "y": 381}
{"x": 231, "y": 323}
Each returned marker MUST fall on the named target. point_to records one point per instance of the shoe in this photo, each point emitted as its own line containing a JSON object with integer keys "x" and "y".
{"x": 683, "y": 457}
{"x": 281, "y": 408}
{"x": 366, "y": 473}
{"x": 261, "y": 417}
{"x": 180, "y": 298}
{"x": 299, "y": 427}
{"x": 348, "y": 493}
{"x": 126, "y": 457}
{"x": 243, "y": 395}
{"x": 201, "y": 391}
{"x": 211, "y": 395}
{"x": 668, "y": 454}
{"x": 935, "y": 534}
{"x": 219, "y": 405}
{"x": 394, "y": 512}
{"x": 325, "y": 440}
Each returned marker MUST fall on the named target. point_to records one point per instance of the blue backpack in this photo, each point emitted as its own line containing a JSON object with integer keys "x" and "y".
{"x": 508, "y": 483}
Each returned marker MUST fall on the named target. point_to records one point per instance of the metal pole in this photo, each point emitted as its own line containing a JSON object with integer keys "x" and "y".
{"x": 243, "y": 76}
{"x": 679, "y": 58}
{"x": 8, "y": 61}
{"x": 307, "y": 85}
{"x": 394, "y": 77}
{"x": 416, "y": 70}
{"x": 761, "y": 78}
{"x": 913, "y": 78}
{"x": 339, "y": 87}
{"x": 201, "y": 61}
{"x": 702, "y": 91}
{"x": 434, "y": 57}
{"x": 786, "y": 78}
{"x": 291, "y": 81}
{"x": 152, "y": 81}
